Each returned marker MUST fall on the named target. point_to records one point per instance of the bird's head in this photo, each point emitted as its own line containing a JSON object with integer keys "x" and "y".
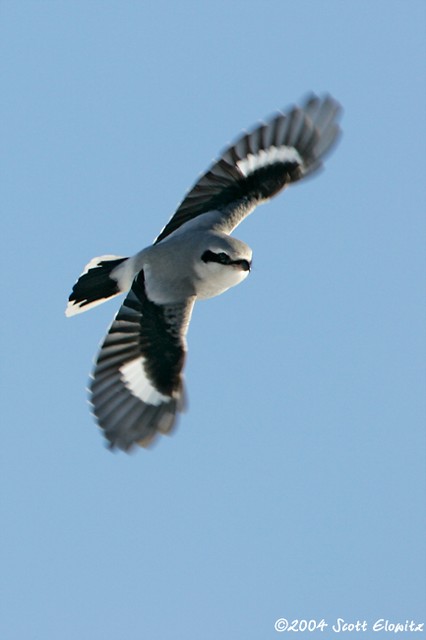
{"x": 223, "y": 263}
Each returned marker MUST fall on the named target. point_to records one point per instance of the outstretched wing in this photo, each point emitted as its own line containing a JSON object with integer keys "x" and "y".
{"x": 260, "y": 164}
{"x": 136, "y": 387}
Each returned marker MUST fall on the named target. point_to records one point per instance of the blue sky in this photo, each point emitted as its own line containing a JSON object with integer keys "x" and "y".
{"x": 295, "y": 485}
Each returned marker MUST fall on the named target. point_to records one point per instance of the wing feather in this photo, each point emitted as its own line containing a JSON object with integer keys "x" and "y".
{"x": 136, "y": 388}
{"x": 260, "y": 164}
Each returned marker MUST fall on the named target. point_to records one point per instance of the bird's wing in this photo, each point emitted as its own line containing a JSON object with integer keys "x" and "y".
{"x": 260, "y": 164}
{"x": 136, "y": 387}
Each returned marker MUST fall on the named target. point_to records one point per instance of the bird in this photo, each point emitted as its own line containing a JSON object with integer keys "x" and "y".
{"x": 137, "y": 389}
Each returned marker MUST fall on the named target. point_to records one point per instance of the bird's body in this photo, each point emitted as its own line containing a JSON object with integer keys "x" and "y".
{"x": 204, "y": 279}
{"x": 137, "y": 386}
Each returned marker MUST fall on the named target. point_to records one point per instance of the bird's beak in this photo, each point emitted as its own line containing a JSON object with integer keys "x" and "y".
{"x": 245, "y": 265}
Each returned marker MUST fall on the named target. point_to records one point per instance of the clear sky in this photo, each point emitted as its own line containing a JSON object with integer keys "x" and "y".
{"x": 294, "y": 487}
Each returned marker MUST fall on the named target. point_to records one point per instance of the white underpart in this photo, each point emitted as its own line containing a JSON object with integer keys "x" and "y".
{"x": 206, "y": 221}
{"x": 216, "y": 278}
{"x": 267, "y": 157}
{"x": 134, "y": 378}
{"x": 125, "y": 272}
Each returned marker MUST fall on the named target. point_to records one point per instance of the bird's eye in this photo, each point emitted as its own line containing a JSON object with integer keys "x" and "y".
{"x": 221, "y": 258}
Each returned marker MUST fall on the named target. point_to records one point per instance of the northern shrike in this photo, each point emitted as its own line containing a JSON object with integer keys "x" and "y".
{"x": 136, "y": 388}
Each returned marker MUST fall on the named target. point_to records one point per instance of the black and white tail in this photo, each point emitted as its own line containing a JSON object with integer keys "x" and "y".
{"x": 97, "y": 283}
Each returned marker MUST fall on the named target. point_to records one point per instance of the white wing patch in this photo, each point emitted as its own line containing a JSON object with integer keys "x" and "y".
{"x": 135, "y": 379}
{"x": 266, "y": 157}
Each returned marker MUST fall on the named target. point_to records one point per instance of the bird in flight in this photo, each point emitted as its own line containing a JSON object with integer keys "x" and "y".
{"x": 136, "y": 388}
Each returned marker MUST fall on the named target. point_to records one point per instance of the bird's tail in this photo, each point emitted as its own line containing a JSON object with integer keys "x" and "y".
{"x": 100, "y": 280}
